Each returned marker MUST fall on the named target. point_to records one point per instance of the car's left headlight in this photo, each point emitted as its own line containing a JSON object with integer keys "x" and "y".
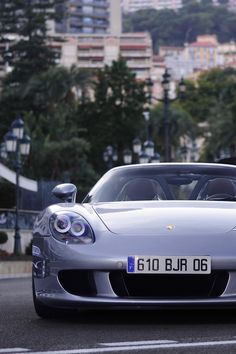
{"x": 70, "y": 227}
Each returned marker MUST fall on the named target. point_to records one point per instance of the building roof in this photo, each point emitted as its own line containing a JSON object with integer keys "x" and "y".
{"x": 203, "y": 44}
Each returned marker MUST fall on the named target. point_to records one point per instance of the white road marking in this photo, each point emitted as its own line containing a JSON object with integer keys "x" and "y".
{"x": 13, "y": 350}
{"x": 146, "y": 342}
{"x": 138, "y": 347}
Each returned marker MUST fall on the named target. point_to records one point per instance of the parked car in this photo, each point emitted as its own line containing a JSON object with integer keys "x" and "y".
{"x": 146, "y": 236}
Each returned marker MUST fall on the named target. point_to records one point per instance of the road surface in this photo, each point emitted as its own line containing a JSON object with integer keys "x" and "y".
{"x": 161, "y": 332}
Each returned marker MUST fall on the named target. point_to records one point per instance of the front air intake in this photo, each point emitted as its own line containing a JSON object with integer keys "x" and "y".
{"x": 77, "y": 282}
{"x": 168, "y": 286}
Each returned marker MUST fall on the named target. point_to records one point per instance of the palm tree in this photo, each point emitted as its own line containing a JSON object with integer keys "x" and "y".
{"x": 54, "y": 87}
{"x": 181, "y": 125}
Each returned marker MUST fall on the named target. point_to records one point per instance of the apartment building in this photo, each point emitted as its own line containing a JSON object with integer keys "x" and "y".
{"x": 228, "y": 53}
{"x": 231, "y": 4}
{"x": 90, "y": 17}
{"x": 135, "y": 5}
{"x": 165, "y": 51}
{"x": 204, "y": 52}
{"x": 96, "y": 51}
{"x": 90, "y": 37}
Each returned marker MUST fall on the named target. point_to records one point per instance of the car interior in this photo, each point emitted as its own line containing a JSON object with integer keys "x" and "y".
{"x": 219, "y": 189}
{"x": 140, "y": 189}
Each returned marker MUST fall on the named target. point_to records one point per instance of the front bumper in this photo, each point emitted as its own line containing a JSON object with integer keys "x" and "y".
{"x": 94, "y": 276}
{"x": 76, "y": 288}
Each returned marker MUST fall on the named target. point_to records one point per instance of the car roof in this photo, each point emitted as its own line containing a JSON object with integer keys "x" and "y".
{"x": 182, "y": 165}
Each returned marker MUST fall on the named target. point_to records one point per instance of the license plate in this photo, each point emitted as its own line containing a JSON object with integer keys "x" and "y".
{"x": 169, "y": 264}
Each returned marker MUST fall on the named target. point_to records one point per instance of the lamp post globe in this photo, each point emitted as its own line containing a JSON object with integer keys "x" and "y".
{"x": 156, "y": 158}
{"x": 127, "y": 156}
{"x": 17, "y": 127}
{"x": 3, "y": 151}
{"x": 137, "y": 146}
{"x": 149, "y": 148}
{"x": 25, "y": 145}
{"x": 143, "y": 157}
{"x": 110, "y": 156}
{"x": 10, "y": 142}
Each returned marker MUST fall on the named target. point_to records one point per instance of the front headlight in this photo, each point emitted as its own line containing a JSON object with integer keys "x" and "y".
{"x": 70, "y": 227}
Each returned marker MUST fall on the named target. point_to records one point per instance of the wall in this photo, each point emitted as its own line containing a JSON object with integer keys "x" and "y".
{"x": 26, "y": 236}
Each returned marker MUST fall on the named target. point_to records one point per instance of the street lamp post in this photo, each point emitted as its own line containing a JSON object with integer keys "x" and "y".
{"x": 142, "y": 153}
{"x": 17, "y": 145}
{"x": 139, "y": 155}
{"x": 110, "y": 156}
{"x": 166, "y": 103}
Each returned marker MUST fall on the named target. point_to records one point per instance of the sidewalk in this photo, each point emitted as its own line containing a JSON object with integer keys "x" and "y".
{"x": 15, "y": 269}
{"x": 15, "y": 266}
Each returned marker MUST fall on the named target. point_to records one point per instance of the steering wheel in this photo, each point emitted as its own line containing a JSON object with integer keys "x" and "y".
{"x": 222, "y": 196}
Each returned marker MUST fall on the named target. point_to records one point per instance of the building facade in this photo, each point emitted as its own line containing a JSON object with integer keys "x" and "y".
{"x": 90, "y": 17}
{"x": 203, "y": 53}
{"x": 231, "y": 4}
{"x": 96, "y": 51}
{"x": 228, "y": 53}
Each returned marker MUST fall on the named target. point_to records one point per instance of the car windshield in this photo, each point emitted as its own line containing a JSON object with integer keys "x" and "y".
{"x": 172, "y": 182}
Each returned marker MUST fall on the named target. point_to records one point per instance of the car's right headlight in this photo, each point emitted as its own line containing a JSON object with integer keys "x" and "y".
{"x": 70, "y": 227}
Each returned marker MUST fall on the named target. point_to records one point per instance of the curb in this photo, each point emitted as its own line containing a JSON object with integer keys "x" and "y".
{"x": 15, "y": 269}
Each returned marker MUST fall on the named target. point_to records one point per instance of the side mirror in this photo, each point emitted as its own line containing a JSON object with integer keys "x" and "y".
{"x": 66, "y": 192}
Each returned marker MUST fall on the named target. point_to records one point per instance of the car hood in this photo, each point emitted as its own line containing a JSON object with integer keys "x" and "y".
{"x": 168, "y": 217}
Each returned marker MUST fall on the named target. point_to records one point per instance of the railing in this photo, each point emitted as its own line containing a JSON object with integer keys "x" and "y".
{"x": 25, "y": 221}
{"x": 103, "y": 4}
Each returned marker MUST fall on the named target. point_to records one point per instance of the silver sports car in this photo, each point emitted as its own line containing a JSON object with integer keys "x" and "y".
{"x": 152, "y": 235}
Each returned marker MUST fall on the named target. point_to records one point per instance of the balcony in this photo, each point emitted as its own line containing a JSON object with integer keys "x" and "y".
{"x": 139, "y": 63}
{"x": 87, "y": 41}
{"x": 80, "y": 12}
{"x": 90, "y": 65}
{"x": 95, "y": 3}
{"x": 136, "y": 54}
{"x": 90, "y": 54}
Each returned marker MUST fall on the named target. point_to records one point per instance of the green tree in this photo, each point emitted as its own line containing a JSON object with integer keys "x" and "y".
{"x": 180, "y": 124}
{"x": 29, "y": 52}
{"x": 193, "y": 19}
{"x": 24, "y": 46}
{"x": 47, "y": 96}
{"x": 154, "y": 21}
{"x": 213, "y": 103}
{"x": 59, "y": 85}
{"x": 58, "y": 151}
{"x": 54, "y": 125}
{"x": 115, "y": 116}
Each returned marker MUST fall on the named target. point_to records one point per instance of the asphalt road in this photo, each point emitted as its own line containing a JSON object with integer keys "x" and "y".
{"x": 21, "y": 331}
